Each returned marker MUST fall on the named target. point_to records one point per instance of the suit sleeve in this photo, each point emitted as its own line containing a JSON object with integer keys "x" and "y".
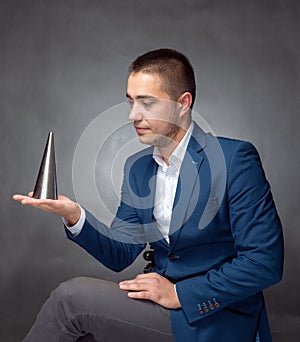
{"x": 116, "y": 246}
{"x": 257, "y": 233}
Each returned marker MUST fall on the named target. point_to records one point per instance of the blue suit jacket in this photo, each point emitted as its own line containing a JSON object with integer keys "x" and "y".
{"x": 226, "y": 241}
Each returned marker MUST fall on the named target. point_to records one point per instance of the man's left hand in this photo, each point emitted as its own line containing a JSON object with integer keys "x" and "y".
{"x": 152, "y": 286}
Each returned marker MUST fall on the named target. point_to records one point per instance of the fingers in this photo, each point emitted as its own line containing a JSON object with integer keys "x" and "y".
{"x": 30, "y": 200}
{"x": 17, "y": 197}
{"x": 140, "y": 295}
{"x": 63, "y": 206}
{"x": 21, "y": 198}
{"x": 154, "y": 287}
{"x": 139, "y": 288}
{"x": 143, "y": 286}
{"x": 48, "y": 205}
{"x": 139, "y": 281}
{"x": 147, "y": 276}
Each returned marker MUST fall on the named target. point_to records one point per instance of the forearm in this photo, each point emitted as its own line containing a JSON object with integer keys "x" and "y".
{"x": 111, "y": 248}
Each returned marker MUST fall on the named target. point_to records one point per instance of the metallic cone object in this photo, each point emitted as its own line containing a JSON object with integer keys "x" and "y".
{"x": 46, "y": 184}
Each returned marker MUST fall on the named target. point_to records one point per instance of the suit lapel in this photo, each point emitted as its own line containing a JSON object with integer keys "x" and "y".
{"x": 149, "y": 182}
{"x": 188, "y": 188}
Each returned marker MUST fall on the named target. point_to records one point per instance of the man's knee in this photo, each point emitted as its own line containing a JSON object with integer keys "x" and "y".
{"x": 70, "y": 289}
{"x": 84, "y": 294}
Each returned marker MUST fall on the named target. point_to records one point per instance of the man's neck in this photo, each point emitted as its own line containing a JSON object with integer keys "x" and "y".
{"x": 166, "y": 151}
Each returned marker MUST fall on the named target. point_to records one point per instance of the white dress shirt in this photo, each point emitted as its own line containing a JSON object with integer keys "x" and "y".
{"x": 166, "y": 184}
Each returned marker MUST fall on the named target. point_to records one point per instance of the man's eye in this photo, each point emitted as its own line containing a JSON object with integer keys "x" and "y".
{"x": 148, "y": 103}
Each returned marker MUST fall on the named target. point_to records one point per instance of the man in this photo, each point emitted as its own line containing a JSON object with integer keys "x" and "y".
{"x": 206, "y": 209}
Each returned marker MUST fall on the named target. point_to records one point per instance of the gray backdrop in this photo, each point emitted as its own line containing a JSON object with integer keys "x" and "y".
{"x": 63, "y": 62}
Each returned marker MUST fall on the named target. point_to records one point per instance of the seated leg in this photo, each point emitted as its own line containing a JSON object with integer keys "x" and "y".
{"x": 84, "y": 306}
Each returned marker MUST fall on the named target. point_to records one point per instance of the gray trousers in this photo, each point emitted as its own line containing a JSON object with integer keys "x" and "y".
{"x": 101, "y": 312}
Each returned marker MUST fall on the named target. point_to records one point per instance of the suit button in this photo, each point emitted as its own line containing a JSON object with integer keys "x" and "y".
{"x": 211, "y": 306}
{"x": 201, "y": 312}
{"x": 171, "y": 257}
{"x": 216, "y": 304}
{"x": 205, "y": 307}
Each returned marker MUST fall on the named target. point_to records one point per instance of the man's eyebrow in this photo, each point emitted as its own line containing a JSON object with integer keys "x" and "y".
{"x": 141, "y": 97}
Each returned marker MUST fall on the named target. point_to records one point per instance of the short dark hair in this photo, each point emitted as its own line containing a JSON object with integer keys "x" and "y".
{"x": 173, "y": 68}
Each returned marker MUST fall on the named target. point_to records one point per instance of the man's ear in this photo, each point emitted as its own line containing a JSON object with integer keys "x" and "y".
{"x": 185, "y": 101}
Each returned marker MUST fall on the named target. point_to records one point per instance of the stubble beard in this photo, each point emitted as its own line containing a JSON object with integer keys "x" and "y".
{"x": 168, "y": 137}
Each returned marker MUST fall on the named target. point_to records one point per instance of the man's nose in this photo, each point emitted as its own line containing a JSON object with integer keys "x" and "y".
{"x": 135, "y": 113}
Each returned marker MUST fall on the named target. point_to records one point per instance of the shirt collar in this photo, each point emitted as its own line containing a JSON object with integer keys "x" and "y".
{"x": 177, "y": 156}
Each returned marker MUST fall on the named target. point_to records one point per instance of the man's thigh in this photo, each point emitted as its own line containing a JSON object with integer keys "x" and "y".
{"x": 103, "y": 310}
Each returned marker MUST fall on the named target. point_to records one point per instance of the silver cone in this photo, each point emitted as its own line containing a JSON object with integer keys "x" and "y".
{"x": 46, "y": 184}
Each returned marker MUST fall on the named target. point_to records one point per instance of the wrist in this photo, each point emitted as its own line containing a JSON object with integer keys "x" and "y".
{"x": 74, "y": 216}
{"x": 177, "y": 303}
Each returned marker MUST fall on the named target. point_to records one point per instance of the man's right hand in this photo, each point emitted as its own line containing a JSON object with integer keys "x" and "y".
{"x": 63, "y": 206}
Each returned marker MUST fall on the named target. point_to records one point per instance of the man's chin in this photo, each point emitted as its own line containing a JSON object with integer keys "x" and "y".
{"x": 157, "y": 140}
{"x": 146, "y": 140}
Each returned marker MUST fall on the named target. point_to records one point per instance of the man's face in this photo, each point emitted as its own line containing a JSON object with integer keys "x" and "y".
{"x": 153, "y": 114}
